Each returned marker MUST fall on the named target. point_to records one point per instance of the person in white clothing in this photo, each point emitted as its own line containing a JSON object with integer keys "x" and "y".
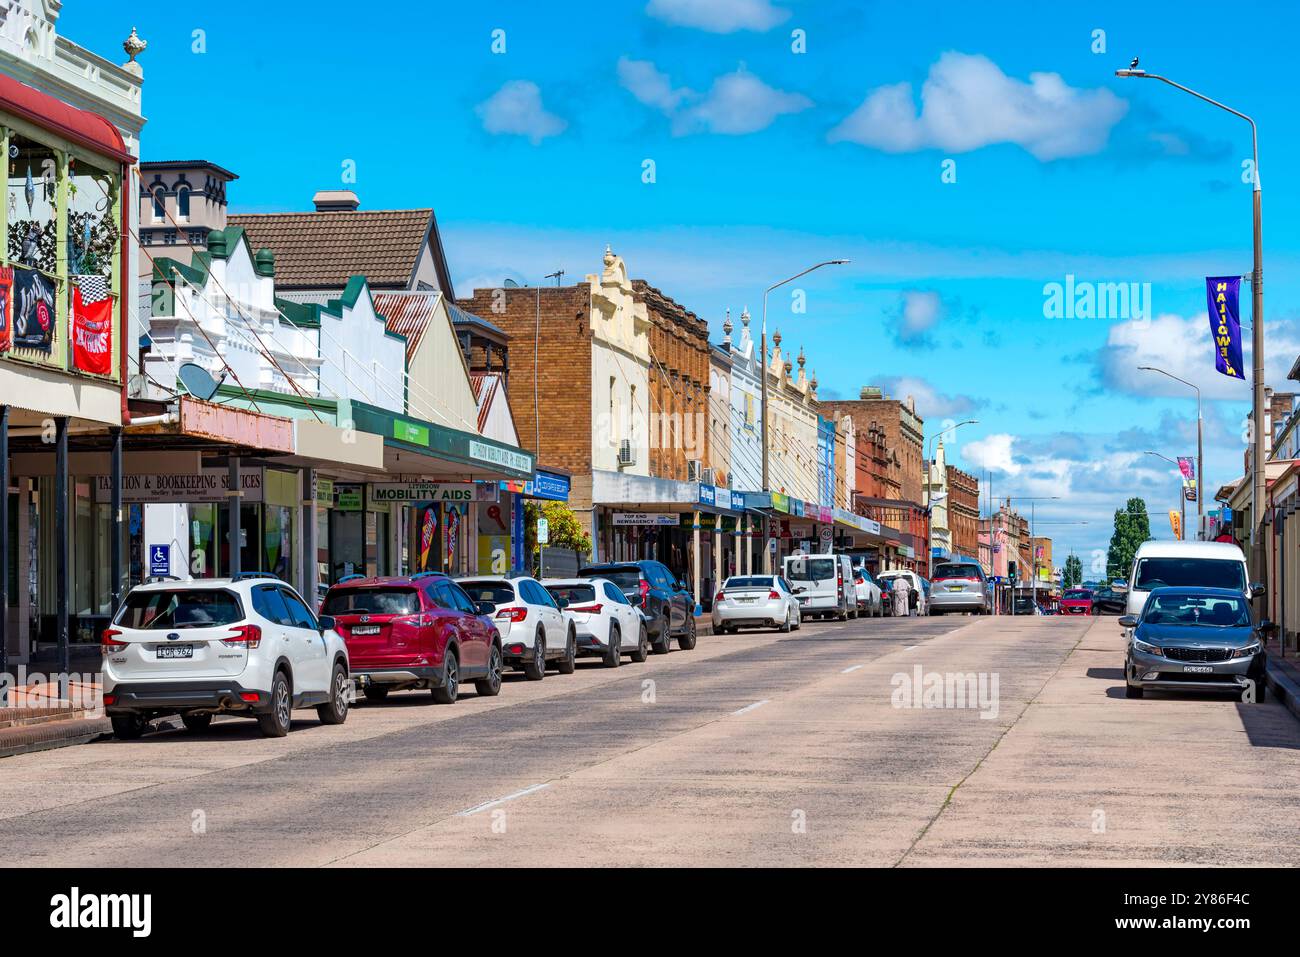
{"x": 900, "y": 589}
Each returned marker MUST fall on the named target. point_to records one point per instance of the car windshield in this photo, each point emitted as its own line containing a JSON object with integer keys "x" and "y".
{"x": 573, "y": 594}
{"x": 811, "y": 569}
{"x": 954, "y": 570}
{"x": 371, "y": 601}
{"x": 1077, "y": 595}
{"x": 499, "y": 593}
{"x": 627, "y": 579}
{"x": 1190, "y": 572}
{"x": 1220, "y": 611}
{"x": 747, "y": 583}
{"x": 180, "y": 608}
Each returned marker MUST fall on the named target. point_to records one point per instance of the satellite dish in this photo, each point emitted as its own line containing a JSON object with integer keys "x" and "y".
{"x": 511, "y": 284}
{"x": 198, "y": 381}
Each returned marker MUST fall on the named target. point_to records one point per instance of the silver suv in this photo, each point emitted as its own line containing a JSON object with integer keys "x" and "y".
{"x": 245, "y": 646}
{"x": 960, "y": 586}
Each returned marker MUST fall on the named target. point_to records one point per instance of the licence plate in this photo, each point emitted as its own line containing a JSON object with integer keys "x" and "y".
{"x": 176, "y": 651}
{"x": 365, "y": 629}
{"x": 956, "y": 588}
{"x": 1198, "y": 669}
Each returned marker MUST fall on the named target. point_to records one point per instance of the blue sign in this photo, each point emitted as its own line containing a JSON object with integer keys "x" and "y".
{"x": 708, "y": 495}
{"x": 551, "y": 486}
{"x": 160, "y": 560}
{"x": 737, "y": 501}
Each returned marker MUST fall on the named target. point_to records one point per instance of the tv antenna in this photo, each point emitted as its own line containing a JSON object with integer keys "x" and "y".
{"x": 555, "y": 275}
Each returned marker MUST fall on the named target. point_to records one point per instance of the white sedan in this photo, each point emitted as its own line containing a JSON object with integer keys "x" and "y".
{"x": 870, "y": 599}
{"x": 606, "y": 623}
{"x": 532, "y": 626}
{"x": 755, "y": 601}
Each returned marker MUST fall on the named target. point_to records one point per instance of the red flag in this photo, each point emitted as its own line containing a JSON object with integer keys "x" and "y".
{"x": 92, "y": 330}
{"x": 6, "y": 308}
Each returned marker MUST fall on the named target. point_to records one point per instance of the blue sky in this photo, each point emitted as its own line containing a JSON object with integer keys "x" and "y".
{"x": 767, "y": 160}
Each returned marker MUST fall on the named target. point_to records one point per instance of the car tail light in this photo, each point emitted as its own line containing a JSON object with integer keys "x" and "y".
{"x": 250, "y": 636}
{"x": 109, "y": 645}
{"x": 772, "y": 595}
{"x": 589, "y": 609}
{"x": 514, "y": 614}
{"x": 645, "y": 589}
{"x": 515, "y": 650}
{"x": 720, "y": 596}
{"x": 249, "y": 697}
{"x": 110, "y": 700}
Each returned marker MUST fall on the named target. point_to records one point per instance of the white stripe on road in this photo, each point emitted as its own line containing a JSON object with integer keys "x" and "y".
{"x": 850, "y": 670}
{"x": 913, "y": 648}
{"x": 751, "y": 707}
{"x": 509, "y": 797}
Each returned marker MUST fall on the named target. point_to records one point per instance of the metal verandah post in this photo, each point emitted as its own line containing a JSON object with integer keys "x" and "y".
{"x": 61, "y": 543}
{"x": 115, "y": 522}
{"x": 4, "y": 554}
{"x": 232, "y": 495}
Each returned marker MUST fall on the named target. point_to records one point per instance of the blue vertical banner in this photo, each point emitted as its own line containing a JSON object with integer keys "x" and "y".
{"x": 1223, "y": 295}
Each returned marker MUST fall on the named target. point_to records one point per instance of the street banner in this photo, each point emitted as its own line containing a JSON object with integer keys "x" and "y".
{"x": 1189, "y": 490}
{"x": 33, "y": 313}
{"x": 1187, "y": 465}
{"x": 92, "y": 325}
{"x": 6, "y": 308}
{"x": 1223, "y": 298}
{"x": 1176, "y": 523}
{"x": 427, "y": 529}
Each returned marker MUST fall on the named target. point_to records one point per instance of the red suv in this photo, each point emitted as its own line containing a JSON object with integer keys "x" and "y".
{"x": 1077, "y": 601}
{"x": 416, "y": 632}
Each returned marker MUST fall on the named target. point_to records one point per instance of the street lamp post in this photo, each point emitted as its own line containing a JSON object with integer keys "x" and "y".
{"x": 1182, "y": 499}
{"x": 929, "y": 525}
{"x": 1200, "y": 449}
{"x": 1257, "y": 320}
{"x": 762, "y": 371}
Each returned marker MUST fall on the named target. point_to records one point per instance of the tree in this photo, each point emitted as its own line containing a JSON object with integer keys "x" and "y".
{"x": 1072, "y": 574}
{"x": 565, "y": 532}
{"x": 1132, "y": 528}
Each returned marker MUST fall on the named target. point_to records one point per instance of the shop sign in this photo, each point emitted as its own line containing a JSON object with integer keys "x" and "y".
{"x": 349, "y": 498}
{"x": 796, "y": 507}
{"x": 708, "y": 495}
{"x": 824, "y": 514}
{"x": 548, "y": 485}
{"x": 206, "y": 486}
{"x": 384, "y": 493}
{"x": 410, "y": 432}
{"x": 780, "y": 502}
{"x": 509, "y": 458}
{"x": 324, "y": 491}
{"x": 645, "y": 518}
{"x": 737, "y": 501}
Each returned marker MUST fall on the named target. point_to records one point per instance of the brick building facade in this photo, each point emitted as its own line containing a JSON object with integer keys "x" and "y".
{"x": 964, "y": 512}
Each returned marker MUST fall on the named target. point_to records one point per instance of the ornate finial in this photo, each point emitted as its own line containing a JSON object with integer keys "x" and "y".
{"x": 787, "y": 366}
{"x": 802, "y": 360}
{"x": 609, "y": 255}
{"x": 726, "y": 323}
{"x": 744, "y": 317}
{"x": 813, "y": 383}
{"x": 134, "y": 46}
{"x": 776, "y": 339}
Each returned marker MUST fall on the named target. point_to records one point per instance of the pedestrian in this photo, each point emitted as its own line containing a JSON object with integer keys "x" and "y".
{"x": 901, "y": 587}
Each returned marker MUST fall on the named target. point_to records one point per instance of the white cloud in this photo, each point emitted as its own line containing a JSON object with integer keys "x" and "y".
{"x": 644, "y": 81}
{"x": 516, "y": 110}
{"x": 931, "y": 404}
{"x": 739, "y": 103}
{"x": 719, "y": 16}
{"x": 967, "y": 102}
{"x": 921, "y": 311}
{"x": 993, "y": 453}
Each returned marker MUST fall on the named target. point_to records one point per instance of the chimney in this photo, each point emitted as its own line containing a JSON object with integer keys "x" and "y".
{"x": 336, "y": 201}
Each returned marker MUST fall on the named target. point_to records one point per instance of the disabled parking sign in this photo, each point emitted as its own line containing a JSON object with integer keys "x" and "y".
{"x": 160, "y": 559}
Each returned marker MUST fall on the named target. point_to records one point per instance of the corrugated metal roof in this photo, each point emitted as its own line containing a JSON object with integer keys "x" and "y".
{"x": 407, "y": 314}
{"x": 487, "y": 386}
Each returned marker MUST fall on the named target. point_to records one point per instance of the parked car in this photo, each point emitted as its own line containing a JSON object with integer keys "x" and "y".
{"x": 960, "y": 586}
{"x": 1186, "y": 565}
{"x": 823, "y": 584}
{"x": 669, "y": 606}
{"x": 1077, "y": 601}
{"x": 245, "y": 646}
{"x": 1025, "y": 605}
{"x": 418, "y": 632}
{"x": 917, "y": 586}
{"x": 530, "y": 621}
{"x": 1106, "y": 601}
{"x": 1195, "y": 639}
{"x": 607, "y": 624}
{"x": 867, "y": 592}
{"x": 756, "y": 601}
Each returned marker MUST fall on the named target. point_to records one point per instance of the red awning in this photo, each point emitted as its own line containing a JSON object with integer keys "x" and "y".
{"x": 80, "y": 126}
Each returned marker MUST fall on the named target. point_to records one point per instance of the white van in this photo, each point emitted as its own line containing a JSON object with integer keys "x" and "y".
{"x": 823, "y": 584}
{"x": 1196, "y": 564}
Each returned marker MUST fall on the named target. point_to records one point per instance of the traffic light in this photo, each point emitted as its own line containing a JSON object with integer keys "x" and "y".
{"x": 1011, "y": 570}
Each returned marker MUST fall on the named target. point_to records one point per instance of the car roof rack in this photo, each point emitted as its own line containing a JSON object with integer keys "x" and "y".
{"x": 245, "y": 576}
{"x": 154, "y": 579}
{"x": 424, "y": 575}
{"x": 349, "y": 578}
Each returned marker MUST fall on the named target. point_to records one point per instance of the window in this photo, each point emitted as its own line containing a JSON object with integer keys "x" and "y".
{"x": 179, "y": 608}
{"x": 573, "y": 594}
{"x": 614, "y": 595}
{"x": 159, "y": 204}
{"x": 1221, "y": 612}
{"x": 298, "y": 610}
{"x": 461, "y": 600}
{"x": 499, "y": 593}
{"x": 1190, "y": 572}
{"x": 268, "y": 603}
{"x": 371, "y": 601}
{"x": 182, "y": 203}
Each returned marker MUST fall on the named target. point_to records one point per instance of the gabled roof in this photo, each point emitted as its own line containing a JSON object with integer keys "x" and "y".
{"x": 322, "y": 250}
{"x": 488, "y": 388}
{"x": 407, "y": 314}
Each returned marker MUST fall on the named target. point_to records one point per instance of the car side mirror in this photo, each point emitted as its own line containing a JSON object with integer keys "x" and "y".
{"x": 1128, "y": 621}
{"x": 799, "y": 591}
{"x": 1267, "y": 627}
{"x": 562, "y": 602}
{"x": 635, "y": 601}
{"x": 485, "y": 608}
{"x": 326, "y": 623}
{"x": 1256, "y": 590}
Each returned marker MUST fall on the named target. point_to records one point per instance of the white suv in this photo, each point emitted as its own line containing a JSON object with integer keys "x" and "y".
{"x": 244, "y": 646}
{"x": 530, "y": 621}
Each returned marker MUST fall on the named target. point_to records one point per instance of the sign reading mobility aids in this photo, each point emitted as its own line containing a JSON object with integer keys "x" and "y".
{"x": 208, "y": 485}
{"x": 383, "y": 493}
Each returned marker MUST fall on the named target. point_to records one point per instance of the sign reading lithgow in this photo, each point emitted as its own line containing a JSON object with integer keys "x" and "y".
{"x": 385, "y": 492}
{"x": 209, "y": 485}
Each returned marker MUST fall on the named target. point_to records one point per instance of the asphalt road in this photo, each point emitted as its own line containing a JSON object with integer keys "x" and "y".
{"x": 758, "y": 749}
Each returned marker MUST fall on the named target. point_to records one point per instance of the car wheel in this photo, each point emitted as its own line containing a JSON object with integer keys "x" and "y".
{"x": 614, "y": 653}
{"x": 449, "y": 690}
{"x": 196, "y": 722}
{"x": 785, "y": 625}
{"x": 335, "y": 711}
{"x": 375, "y": 692}
{"x": 490, "y": 686}
{"x": 642, "y": 646}
{"x": 665, "y": 642}
{"x": 535, "y": 668}
{"x": 128, "y": 727}
{"x": 569, "y": 663}
{"x": 687, "y": 641}
{"x": 275, "y": 723}
{"x": 1133, "y": 691}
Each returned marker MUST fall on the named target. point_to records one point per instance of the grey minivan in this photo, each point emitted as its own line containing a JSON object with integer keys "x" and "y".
{"x": 960, "y": 586}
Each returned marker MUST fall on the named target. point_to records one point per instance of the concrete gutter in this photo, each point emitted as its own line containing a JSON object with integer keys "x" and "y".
{"x": 1284, "y": 687}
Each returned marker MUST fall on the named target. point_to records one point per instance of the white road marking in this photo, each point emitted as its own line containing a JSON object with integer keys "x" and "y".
{"x": 509, "y": 797}
{"x": 912, "y": 648}
{"x": 849, "y": 670}
{"x": 751, "y": 707}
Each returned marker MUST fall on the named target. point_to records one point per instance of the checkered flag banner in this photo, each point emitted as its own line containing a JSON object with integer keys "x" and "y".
{"x": 93, "y": 288}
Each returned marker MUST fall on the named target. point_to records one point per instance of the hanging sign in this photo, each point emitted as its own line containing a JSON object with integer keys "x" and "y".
{"x": 92, "y": 325}
{"x": 382, "y": 493}
{"x": 1223, "y": 297}
{"x": 33, "y": 311}
{"x": 645, "y": 518}
{"x": 6, "y": 308}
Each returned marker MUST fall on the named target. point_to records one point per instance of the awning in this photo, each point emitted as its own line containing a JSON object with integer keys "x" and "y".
{"x": 63, "y": 119}
{"x": 414, "y": 446}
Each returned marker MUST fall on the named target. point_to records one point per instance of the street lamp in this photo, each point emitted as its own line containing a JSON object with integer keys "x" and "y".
{"x": 1182, "y": 532}
{"x": 1257, "y": 319}
{"x": 929, "y": 527}
{"x": 1200, "y": 449}
{"x": 762, "y": 364}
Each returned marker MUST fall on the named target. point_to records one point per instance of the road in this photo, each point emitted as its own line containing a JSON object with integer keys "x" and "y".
{"x": 757, "y": 749}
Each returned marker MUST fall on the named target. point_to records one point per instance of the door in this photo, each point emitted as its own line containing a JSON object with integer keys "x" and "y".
{"x": 552, "y": 617}
{"x": 452, "y": 608}
{"x": 278, "y": 635}
{"x": 313, "y": 671}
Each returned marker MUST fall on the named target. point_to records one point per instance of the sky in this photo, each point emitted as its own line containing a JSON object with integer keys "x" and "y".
{"x": 963, "y": 157}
